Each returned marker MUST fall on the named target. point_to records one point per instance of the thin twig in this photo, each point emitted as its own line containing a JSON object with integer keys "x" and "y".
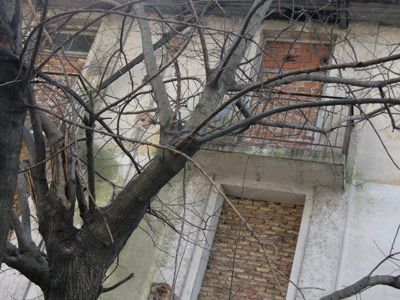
{"x": 200, "y": 30}
{"x": 113, "y": 287}
{"x": 49, "y": 157}
{"x": 31, "y": 66}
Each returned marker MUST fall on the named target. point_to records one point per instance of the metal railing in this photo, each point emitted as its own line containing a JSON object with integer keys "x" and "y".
{"x": 298, "y": 128}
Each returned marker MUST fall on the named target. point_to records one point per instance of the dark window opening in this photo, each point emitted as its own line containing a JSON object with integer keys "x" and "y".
{"x": 80, "y": 43}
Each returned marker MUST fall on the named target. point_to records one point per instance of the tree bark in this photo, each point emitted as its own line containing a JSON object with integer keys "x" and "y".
{"x": 74, "y": 275}
{"x": 12, "y": 113}
{"x": 12, "y": 116}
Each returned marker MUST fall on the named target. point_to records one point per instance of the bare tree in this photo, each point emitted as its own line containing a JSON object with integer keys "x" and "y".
{"x": 201, "y": 109}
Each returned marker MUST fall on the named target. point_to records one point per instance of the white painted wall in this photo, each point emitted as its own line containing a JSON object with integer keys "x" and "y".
{"x": 372, "y": 182}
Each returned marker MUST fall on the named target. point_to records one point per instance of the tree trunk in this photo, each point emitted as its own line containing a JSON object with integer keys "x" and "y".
{"x": 78, "y": 262}
{"x": 75, "y": 277}
{"x": 12, "y": 116}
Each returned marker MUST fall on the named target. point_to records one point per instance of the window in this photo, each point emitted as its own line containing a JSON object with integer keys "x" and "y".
{"x": 80, "y": 43}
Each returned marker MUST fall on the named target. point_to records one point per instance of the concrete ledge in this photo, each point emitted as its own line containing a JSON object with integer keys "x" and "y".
{"x": 274, "y": 164}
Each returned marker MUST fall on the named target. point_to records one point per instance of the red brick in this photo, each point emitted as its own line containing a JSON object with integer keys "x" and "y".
{"x": 252, "y": 272}
{"x": 302, "y": 55}
{"x": 49, "y": 96}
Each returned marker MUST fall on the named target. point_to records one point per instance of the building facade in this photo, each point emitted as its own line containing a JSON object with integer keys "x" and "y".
{"x": 323, "y": 205}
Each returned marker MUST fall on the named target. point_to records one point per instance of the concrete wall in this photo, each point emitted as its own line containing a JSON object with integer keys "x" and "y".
{"x": 373, "y": 215}
{"x": 345, "y": 231}
{"x": 372, "y": 182}
{"x": 158, "y": 254}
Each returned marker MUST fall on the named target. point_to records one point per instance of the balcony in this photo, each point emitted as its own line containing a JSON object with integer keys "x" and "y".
{"x": 285, "y": 155}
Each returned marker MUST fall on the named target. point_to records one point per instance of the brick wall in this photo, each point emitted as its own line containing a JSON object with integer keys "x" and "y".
{"x": 65, "y": 71}
{"x": 277, "y": 224}
{"x": 282, "y": 57}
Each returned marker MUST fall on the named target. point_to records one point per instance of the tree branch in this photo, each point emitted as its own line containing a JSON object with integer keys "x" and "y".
{"x": 61, "y": 177}
{"x": 254, "y": 119}
{"x": 23, "y": 200}
{"x": 219, "y": 84}
{"x": 264, "y": 84}
{"x": 320, "y": 77}
{"x": 249, "y": 28}
{"x": 23, "y": 242}
{"x": 30, "y": 143}
{"x": 32, "y": 264}
{"x": 138, "y": 59}
{"x": 39, "y": 150}
{"x": 160, "y": 94}
{"x": 80, "y": 196}
{"x": 70, "y": 91}
{"x": 113, "y": 287}
{"x": 247, "y": 114}
{"x": 31, "y": 66}
{"x": 202, "y": 38}
{"x": 364, "y": 283}
{"x": 90, "y": 157}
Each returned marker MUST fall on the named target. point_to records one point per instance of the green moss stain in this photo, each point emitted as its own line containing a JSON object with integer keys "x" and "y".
{"x": 140, "y": 255}
{"x": 108, "y": 166}
{"x": 149, "y": 282}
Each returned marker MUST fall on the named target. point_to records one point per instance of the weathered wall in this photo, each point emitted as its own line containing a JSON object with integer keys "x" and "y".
{"x": 373, "y": 214}
{"x": 318, "y": 264}
{"x": 143, "y": 250}
{"x": 324, "y": 241}
{"x": 372, "y": 177}
{"x": 158, "y": 254}
{"x": 337, "y": 235}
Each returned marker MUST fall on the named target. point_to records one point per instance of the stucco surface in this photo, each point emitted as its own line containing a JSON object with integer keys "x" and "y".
{"x": 373, "y": 219}
{"x": 322, "y": 252}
